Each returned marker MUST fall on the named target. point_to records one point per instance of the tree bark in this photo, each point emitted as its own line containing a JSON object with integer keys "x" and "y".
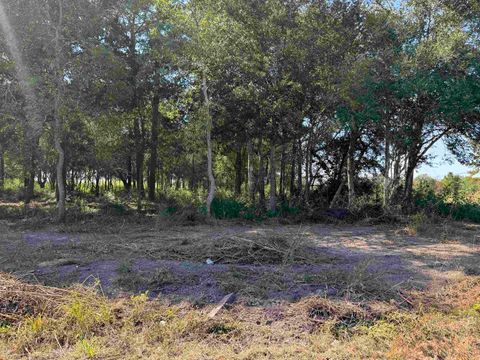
{"x": 292, "y": 169}
{"x": 386, "y": 174}
{"x": 351, "y": 170}
{"x": 97, "y": 184}
{"x": 261, "y": 176}
{"x": 336, "y": 197}
{"x": 152, "y": 166}
{"x": 409, "y": 173}
{"x": 238, "y": 171}
{"x": 211, "y": 177}
{"x": 250, "y": 178}
{"x": 308, "y": 171}
{"x": 273, "y": 186}
{"x": 58, "y": 129}
{"x": 299, "y": 167}
{"x": 282, "y": 173}
{"x": 139, "y": 159}
{"x": 42, "y": 179}
{"x": 127, "y": 182}
{"x": 2, "y": 168}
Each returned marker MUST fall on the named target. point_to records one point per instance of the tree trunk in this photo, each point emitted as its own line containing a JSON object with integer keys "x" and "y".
{"x": 299, "y": 167}
{"x": 273, "y": 186}
{"x": 60, "y": 166}
{"x": 2, "y": 168}
{"x": 282, "y": 174}
{"x": 238, "y": 171}
{"x": 211, "y": 178}
{"x": 336, "y": 197}
{"x": 386, "y": 175}
{"x": 139, "y": 159}
{"x": 42, "y": 179}
{"x": 250, "y": 178}
{"x": 152, "y": 165}
{"x": 127, "y": 182}
{"x": 308, "y": 171}
{"x": 261, "y": 176}
{"x": 29, "y": 177}
{"x": 58, "y": 130}
{"x": 292, "y": 169}
{"x": 28, "y": 164}
{"x": 409, "y": 173}
{"x": 97, "y": 184}
{"x": 351, "y": 170}
{"x": 31, "y": 180}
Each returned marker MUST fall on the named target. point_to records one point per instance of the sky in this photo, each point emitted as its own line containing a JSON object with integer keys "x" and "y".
{"x": 443, "y": 163}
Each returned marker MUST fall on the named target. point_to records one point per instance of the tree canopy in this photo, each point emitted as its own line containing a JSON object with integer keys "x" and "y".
{"x": 274, "y": 102}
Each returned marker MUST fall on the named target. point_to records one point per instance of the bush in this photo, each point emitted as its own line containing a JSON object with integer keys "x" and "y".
{"x": 457, "y": 211}
{"x": 227, "y": 208}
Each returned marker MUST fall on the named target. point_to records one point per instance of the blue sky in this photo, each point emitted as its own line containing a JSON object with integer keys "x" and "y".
{"x": 443, "y": 163}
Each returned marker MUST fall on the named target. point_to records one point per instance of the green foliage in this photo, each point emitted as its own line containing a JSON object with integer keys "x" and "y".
{"x": 170, "y": 210}
{"x": 227, "y": 208}
{"x": 327, "y": 80}
{"x": 454, "y": 196}
{"x": 87, "y": 348}
{"x": 457, "y": 211}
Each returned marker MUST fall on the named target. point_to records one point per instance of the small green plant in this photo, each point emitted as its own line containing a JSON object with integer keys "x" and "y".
{"x": 220, "y": 329}
{"x": 85, "y": 316}
{"x": 5, "y": 326}
{"x": 36, "y": 324}
{"x": 87, "y": 348}
{"x": 124, "y": 268}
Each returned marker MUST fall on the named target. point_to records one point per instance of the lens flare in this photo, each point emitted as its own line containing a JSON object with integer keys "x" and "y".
{"x": 23, "y": 74}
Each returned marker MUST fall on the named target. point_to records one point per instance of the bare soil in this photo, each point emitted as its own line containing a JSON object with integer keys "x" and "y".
{"x": 262, "y": 264}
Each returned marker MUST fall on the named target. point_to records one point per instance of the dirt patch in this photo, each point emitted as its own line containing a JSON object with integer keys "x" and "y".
{"x": 40, "y": 238}
{"x": 263, "y": 263}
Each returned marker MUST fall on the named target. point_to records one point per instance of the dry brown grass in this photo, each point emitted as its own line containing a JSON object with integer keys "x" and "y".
{"x": 77, "y": 323}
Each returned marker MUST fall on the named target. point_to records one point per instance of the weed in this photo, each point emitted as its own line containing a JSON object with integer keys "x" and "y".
{"x": 220, "y": 329}
{"x": 87, "y": 348}
{"x": 86, "y": 316}
{"x": 124, "y": 268}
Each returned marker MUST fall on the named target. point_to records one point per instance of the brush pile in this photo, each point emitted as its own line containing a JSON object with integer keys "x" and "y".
{"x": 19, "y": 299}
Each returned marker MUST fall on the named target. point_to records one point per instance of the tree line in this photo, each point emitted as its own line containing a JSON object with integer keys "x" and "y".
{"x": 274, "y": 101}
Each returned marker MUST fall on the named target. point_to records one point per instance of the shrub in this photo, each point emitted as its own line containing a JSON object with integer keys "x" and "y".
{"x": 227, "y": 208}
{"x": 457, "y": 211}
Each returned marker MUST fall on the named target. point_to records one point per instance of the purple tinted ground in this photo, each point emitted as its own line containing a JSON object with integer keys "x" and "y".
{"x": 40, "y": 238}
{"x": 203, "y": 283}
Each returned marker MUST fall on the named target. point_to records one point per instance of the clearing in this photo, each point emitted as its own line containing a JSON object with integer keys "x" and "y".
{"x": 318, "y": 291}
{"x": 260, "y": 263}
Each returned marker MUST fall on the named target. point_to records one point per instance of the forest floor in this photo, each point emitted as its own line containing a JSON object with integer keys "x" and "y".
{"x": 260, "y": 263}
{"x": 280, "y": 274}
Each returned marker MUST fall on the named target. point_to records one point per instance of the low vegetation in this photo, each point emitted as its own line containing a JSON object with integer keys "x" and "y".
{"x": 77, "y": 323}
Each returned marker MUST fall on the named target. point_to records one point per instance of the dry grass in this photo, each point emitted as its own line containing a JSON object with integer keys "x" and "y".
{"x": 77, "y": 323}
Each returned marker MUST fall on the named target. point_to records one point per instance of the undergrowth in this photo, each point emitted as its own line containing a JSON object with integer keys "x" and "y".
{"x": 78, "y": 323}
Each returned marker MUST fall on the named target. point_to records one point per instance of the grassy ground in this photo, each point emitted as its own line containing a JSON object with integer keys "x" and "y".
{"x": 311, "y": 291}
{"x": 50, "y": 323}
